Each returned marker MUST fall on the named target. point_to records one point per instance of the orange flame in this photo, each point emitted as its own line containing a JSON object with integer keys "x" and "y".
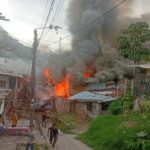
{"x": 48, "y": 76}
{"x": 87, "y": 75}
{"x": 90, "y": 71}
{"x": 62, "y": 88}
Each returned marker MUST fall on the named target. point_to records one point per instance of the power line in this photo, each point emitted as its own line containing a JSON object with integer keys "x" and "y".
{"x": 51, "y": 6}
{"x": 44, "y": 12}
{"x": 92, "y": 22}
{"x": 58, "y": 9}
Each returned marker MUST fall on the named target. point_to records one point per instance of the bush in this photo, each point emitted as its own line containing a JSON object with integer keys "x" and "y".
{"x": 145, "y": 106}
{"x": 139, "y": 142}
{"x": 116, "y": 107}
{"x": 128, "y": 100}
{"x": 118, "y": 132}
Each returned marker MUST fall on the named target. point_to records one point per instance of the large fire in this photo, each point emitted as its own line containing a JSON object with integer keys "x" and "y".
{"x": 48, "y": 77}
{"x": 61, "y": 88}
{"x": 90, "y": 72}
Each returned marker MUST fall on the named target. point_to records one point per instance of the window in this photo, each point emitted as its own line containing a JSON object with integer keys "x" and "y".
{"x": 2, "y": 83}
{"x": 89, "y": 106}
{"x": 105, "y": 105}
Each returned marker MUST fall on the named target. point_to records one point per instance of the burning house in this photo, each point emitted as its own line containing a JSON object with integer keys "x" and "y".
{"x": 57, "y": 92}
{"x": 95, "y": 101}
{"x": 93, "y": 58}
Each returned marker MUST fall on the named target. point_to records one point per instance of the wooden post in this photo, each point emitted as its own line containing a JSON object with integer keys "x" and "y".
{"x": 33, "y": 81}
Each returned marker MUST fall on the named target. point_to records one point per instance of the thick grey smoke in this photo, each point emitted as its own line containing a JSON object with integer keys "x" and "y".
{"x": 87, "y": 41}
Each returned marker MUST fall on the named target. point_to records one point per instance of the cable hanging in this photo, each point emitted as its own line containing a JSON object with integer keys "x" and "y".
{"x": 92, "y": 22}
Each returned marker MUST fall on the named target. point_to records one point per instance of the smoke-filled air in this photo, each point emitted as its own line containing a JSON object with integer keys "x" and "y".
{"x": 93, "y": 54}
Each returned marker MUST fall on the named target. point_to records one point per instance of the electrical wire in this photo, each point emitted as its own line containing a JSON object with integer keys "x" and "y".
{"x": 44, "y": 13}
{"x": 51, "y": 6}
{"x": 92, "y": 22}
{"x": 58, "y": 9}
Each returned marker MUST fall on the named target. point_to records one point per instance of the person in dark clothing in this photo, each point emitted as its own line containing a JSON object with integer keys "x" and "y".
{"x": 44, "y": 117}
{"x": 53, "y": 134}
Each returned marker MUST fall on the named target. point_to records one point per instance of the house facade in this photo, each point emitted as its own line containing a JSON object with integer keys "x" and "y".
{"x": 12, "y": 92}
{"x": 91, "y": 103}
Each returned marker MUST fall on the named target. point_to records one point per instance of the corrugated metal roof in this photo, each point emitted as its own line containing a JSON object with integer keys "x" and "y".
{"x": 91, "y": 96}
{"x": 10, "y": 74}
{"x": 146, "y": 66}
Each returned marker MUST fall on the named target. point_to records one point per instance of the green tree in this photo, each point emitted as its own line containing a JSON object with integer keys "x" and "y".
{"x": 132, "y": 42}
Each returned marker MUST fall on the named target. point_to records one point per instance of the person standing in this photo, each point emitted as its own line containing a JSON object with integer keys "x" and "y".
{"x": 44, "y": 117}
{"x": 53, "y": 134}
{"x": 1, "y": 125}
{"x": 31, "y": 138}
{"x": 14, "y": 119}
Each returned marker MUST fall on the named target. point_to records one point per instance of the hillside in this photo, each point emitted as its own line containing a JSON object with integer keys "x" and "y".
{"x": 10, "y": 47}
{"x": 121, "y": 132}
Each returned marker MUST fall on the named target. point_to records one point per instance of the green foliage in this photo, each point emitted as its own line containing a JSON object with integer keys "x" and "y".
{"x": 140, "y": 141}
{"x": 103, "y": 133}
{"x": 127, "y": 101}
{"x": 145, "y": 106}
{"x": 124, "y": 102}
{"x": 45, "y": 147}
{"x": 65, "y": 121}
{"x": 132, "y": 40}
{"x": 115, "y": 107}
{"x": 119, "y": 132}
{"x": 36, "y": 147}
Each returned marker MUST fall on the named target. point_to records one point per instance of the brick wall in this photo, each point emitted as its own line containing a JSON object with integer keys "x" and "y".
{"x": 82, "y": 106}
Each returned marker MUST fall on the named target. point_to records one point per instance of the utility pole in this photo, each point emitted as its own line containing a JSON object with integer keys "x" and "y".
{"x": 33, "y": 70}
{"x": 33, "y": 81}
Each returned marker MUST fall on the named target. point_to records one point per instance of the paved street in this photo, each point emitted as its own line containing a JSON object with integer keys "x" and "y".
{"x": 65, "y": 141}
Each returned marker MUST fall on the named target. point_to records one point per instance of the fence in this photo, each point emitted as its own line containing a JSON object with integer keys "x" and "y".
{"x": 62, "y": 105}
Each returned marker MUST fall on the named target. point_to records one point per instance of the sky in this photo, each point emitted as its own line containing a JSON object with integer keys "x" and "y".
{"x": 26, "y": 15}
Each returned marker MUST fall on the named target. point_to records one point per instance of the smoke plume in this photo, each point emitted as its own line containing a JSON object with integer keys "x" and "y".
{"x": 92, "y": 42}
{"x": 88, "y": 40}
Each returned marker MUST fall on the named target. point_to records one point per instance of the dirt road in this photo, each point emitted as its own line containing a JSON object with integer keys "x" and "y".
{"x": 65, "y": 142}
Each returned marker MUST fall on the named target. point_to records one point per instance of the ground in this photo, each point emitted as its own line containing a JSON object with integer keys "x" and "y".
{"x": 65, "y": 141}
